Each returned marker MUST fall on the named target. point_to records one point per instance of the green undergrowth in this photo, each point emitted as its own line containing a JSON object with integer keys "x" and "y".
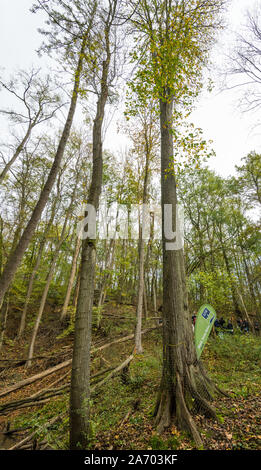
{"x": 122, "y": 411}
{"x": 234, "y": 363}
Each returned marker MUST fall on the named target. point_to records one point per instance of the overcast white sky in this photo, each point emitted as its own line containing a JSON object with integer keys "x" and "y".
{"x": 234, "y": 133}
{"x": 217, "y": 113}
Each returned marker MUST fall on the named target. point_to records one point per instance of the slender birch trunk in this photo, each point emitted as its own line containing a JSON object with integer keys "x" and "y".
{"x": 30, "y": 289}
{"x": 71, "y": 278}
{"x": 34, "y": 273}
{"x": 138, "y": 344}
{"x": 76, "y": 290}
{"x": 45, "y": 293}
{"x": 108, "y": 267}
{"x": 3, "y": 320}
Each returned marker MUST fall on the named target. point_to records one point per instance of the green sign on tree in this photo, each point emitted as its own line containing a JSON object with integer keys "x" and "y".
{"x": 204, "y": 322}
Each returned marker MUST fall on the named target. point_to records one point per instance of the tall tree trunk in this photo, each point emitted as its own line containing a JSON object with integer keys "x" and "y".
{"x": 251, "y": 287}
{"x": 17, "y": 255}
{"x": 237, "y": 309}
{"x": 34, "y": 273}
{"x": 183, "y": 377}
{"x": 1, "y": 244}
{"x": 30, "y": 289}
{"x": 76, "y": 289}
{"x": 107, "y": 275}
{"x": 3, "y": 319}
{"x": 17, "y": 152}
{"x": 71, "y": 278}
{"x": 45, "y": 293}
{"x": 80, "y": 379}
{"x": 154, "y": 292}
{"x": 138, "y": 344}
{"x": 246, "y": 313}
{"x": 145, "y": 301}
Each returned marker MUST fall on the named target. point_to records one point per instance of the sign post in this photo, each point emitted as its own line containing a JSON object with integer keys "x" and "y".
{"x": 205, "y": 320}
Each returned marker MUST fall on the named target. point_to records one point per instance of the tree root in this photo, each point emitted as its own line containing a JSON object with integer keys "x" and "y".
{"x": 177, "y": 403}
{"x": 202, "y": 404}
{"x": 163, "y": 412}
{"x": 210, "y": 382}
{"x": 184, "y": 418}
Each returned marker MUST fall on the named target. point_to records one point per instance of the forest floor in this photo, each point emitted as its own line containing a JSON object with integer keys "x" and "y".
{"x": 122, "y": 409}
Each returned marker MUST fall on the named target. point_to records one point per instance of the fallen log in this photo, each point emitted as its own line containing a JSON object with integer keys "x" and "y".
{"x": 26, "y": 405}
{"x": 9, "y": 432}
{"x": 25, "y": 402}
{"x": 44, "y": 395}
{"x": 20, "y": 444}
{"x": 51, "y": 385}
{"x": 119, "y": 317}
{"x": 125, "y": 418}
{"x": 123, "y": 339}
{"x": 20, "y": 362}
{"x": 113, "y": 373}
{"x": 24, "y": 360}
{"x": 102, "y": 372}
{"x": 64, "y": 364}
{"x": 34, "y": 378}
{"x": 53, "y": 355}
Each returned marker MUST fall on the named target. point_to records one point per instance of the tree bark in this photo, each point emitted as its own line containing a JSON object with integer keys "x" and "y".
{"x": 45, "y": 292}
{"x": 80, "y": 381}
{"x": 183, "y": 377}
{"x": 3, "y": 320}
{"x": 251, "y": 286}
{"x": 237, "y": 309}
{"x": 138, "y": 344}
{"x": 34, "y": 378}
{"x": 71, "y": 278}
{"x": 33, "y": 275}
{"x": 108, "y": 267}
{"x": 76, "y": 289}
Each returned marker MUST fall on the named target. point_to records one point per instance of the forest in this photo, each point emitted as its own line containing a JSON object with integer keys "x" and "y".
{"x": 108, "y": 257}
